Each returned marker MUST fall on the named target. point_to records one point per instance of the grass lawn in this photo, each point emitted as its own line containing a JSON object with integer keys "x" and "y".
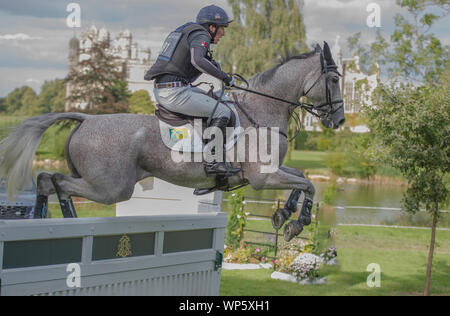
{"x": 312, "y": 161}
{"x": 401, "y": 254}
{"x": 86, "y": 210}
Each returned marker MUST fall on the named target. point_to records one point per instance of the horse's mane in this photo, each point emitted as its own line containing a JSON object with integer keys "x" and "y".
{"x": 263, "y": 77}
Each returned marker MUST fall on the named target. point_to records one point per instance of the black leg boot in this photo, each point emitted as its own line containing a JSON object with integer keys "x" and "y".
{"x": 214, "y": 168}
{"x": 41, "y": 206}
{"x": 283, "y": 214}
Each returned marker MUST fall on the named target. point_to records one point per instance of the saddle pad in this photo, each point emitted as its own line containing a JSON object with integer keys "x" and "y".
{"x": 188, "y": 138}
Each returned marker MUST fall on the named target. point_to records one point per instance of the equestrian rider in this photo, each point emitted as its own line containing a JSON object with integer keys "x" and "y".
{"x": 185, "y": 56}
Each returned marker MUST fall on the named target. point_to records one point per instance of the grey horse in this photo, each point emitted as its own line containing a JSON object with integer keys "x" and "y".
{"x": 109, "y": 154}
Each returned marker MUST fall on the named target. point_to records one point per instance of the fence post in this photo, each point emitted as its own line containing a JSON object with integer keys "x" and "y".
{"x": 276, "y": 243}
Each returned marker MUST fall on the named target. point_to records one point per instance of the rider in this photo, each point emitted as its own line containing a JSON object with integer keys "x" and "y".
{"x": 185, "y": 56}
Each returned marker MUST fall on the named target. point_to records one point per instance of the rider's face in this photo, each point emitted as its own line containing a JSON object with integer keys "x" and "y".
{"x": 220, "y": 33}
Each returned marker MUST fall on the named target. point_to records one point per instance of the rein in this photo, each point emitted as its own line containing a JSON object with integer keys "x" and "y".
{"x": 303, "y": 105}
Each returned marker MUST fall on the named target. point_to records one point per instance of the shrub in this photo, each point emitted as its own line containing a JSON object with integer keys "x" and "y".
{"x": 236, "y": 220}
{"x": 306, "y": 266}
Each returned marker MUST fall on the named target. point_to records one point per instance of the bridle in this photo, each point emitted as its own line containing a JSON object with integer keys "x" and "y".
{"x": 325, "y": 70}
{"x": 310, "y": 108}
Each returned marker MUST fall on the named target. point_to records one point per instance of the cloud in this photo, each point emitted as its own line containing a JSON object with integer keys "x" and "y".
{"x": 19, "y": 36}
{"x": 31, "y": 80}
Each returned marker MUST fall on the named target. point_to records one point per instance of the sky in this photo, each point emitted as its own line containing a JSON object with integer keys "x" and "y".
{"x": 34, "y": 36}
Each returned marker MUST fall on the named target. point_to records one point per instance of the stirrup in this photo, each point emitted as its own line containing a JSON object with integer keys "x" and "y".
{"x": 220, "y": 169}
{"x": 200, "y": 192}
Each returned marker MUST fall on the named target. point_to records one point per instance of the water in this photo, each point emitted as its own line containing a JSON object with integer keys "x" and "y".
{"x": 355, "y": 203}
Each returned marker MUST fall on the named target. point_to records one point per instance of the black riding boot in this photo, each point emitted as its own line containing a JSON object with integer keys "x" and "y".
{"x": 220, "y": 168}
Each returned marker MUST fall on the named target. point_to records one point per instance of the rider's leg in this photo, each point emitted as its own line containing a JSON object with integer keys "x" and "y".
{"x": 194, "y": 102}
{"x": 220, "y": 167}
{"x": 190, "y": 101}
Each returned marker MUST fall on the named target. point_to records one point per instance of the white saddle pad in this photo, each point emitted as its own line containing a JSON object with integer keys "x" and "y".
{"x": 188, "y": 138}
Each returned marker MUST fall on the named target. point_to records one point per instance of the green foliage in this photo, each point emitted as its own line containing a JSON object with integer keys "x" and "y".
{"x": 141, "y": 103}
{"x": 52, "y": 97}
{"x": 99, "y": 81}
{"x": 336, "y": 162}
{"x": 21, "y": 101}
{"x": 412, "y": 125}
{"x": 3, "y": 105}
{"x": 263, "y": 31}
{"x": 412, "y": 53}
{"x": 52, "y": 145}
{"x": 350, "y": 154}
{"x": 330, "y": 193}
{"x": 236, "y": 220}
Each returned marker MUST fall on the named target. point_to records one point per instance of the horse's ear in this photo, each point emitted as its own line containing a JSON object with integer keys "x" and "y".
{"x": 318, "y": 49}
{"x": 327, "y": 54}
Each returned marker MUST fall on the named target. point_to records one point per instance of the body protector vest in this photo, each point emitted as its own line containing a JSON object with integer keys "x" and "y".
{"x": 175, "y": 57}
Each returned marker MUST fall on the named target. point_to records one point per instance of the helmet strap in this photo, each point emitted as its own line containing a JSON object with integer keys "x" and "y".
{"x": 213, "y": 34}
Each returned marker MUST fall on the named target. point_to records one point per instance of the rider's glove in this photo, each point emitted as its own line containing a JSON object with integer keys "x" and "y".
{"x": 229, "y": 81}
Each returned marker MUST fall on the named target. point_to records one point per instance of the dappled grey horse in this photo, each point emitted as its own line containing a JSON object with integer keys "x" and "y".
{"x": 109, "y": 154}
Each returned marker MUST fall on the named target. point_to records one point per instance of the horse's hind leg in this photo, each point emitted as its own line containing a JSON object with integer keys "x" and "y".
{"x": 45, "y": 188}
{"x": 67, "y": 186}
{"x": 65, "y": 200}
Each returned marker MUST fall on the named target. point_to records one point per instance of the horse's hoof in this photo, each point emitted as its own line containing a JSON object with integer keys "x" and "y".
{"x": 294, "y": 228}
{"x": 306, "y": 221}
{"x": 279, "y": 218}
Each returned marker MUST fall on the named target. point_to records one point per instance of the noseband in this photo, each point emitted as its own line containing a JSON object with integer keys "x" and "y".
{"x": 325, "y": 70}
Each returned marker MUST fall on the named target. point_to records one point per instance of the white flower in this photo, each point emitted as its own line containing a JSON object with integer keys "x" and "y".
{"x": 306, "y": 265}
{"x": 247, "y": 213}
{"x": 238, "y": 216}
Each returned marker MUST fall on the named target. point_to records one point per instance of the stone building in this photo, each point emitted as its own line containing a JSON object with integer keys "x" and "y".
{"x": 133, "y": 60}
{"x": 357, "y": 88}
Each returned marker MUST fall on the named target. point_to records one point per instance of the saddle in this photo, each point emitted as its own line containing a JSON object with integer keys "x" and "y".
{"x": 178, "y": 119}
{"x": 180, "y": 133}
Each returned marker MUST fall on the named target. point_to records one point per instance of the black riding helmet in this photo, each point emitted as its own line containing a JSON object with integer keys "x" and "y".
{"x": 213, "y": 15}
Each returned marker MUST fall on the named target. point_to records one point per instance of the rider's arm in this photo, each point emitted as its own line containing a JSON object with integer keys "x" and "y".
{"x": 199, "y": 44}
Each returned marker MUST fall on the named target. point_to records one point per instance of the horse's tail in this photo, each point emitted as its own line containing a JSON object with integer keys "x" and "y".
{"x": 18, "y": 149}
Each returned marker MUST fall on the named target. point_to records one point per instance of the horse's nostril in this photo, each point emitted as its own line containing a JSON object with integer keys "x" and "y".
{"x": 341, "y": 122}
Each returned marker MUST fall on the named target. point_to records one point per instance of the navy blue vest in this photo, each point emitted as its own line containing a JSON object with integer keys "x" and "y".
{"x": 175, "y": 56}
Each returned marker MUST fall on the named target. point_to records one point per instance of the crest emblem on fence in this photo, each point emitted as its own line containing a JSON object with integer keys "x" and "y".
{"x": 124, "y": 247}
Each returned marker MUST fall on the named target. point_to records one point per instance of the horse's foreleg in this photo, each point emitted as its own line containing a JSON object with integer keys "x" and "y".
{"x": 291, "y": 204}
{"x": 288, "y": 178}
{"x": 45, "y": 188}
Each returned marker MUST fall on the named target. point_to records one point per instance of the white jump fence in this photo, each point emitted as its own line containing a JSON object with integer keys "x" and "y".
{"x": 140, "y": 255}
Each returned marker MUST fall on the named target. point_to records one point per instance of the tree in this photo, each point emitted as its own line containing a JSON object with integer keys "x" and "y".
{"x": 412, "y": 53}
{"x": 52, "y": 97}
{"x": 410, "y": 117}
{"x": 2, "y": 104}
{"x": 413, "y": 129}
{"x": 263, "y": 31}
{"x": 98, "y": 80}
{"x": 21, "y": 101}
{"x": 141, "y": 103}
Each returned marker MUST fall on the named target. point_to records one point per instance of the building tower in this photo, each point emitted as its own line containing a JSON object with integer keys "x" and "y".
{"x": 74, "y": 57}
